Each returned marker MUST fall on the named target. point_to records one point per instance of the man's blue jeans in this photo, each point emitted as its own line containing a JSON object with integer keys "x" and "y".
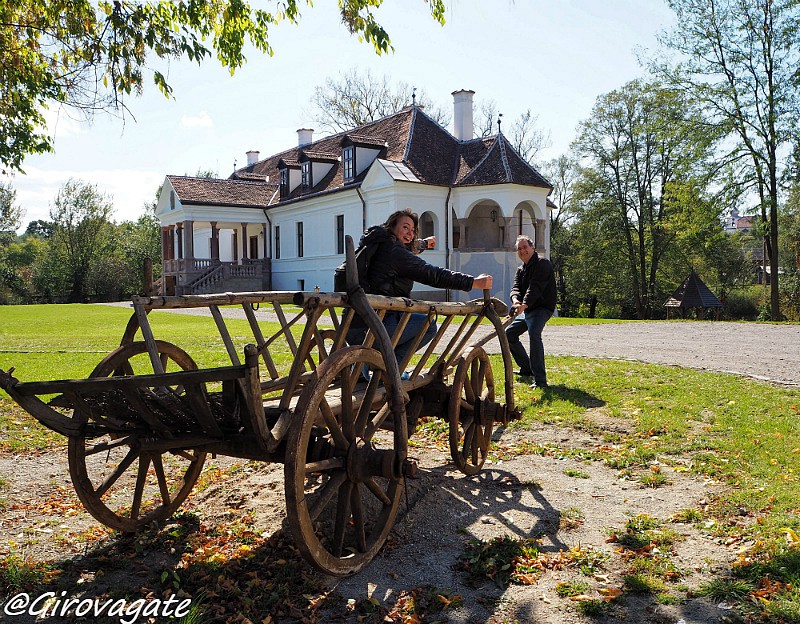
{"x": 532, "y": 321}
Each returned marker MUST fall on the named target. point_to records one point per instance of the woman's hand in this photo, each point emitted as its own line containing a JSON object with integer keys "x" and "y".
{"x": 483, "y": 282}
{"x": 431, "y": 241}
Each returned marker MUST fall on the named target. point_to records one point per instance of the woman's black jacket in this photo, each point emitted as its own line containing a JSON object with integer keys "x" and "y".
{"x": 393, "y": 269}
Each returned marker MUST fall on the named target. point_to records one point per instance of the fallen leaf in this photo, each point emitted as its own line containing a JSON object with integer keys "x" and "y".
{"x": 610, "y": 593}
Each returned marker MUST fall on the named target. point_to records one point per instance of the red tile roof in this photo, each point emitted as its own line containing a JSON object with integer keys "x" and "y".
{"x": 408, "y": 137}
{"x": 223, "y": 192}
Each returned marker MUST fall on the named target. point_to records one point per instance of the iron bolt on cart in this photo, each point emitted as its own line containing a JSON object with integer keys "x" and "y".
{"x": 337, "y": 416}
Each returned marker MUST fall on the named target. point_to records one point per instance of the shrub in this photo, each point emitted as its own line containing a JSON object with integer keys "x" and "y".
{"x": 743, "y": 304}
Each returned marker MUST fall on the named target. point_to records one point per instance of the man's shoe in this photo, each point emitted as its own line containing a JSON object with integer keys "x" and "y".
{"x": 521, "y": 373}
{"x": 542, "y": 385}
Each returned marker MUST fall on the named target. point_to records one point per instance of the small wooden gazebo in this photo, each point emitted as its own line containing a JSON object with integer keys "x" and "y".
{"x": 691, "y": 295}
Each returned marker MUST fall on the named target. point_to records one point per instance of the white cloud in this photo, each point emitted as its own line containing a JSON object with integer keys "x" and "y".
{"x": 127, "y": 189}
{"x": 60, "y": 123}
{"x": 201, "y": 120}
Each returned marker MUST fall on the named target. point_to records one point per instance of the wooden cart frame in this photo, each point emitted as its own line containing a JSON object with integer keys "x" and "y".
{"x": 337, "y": 416}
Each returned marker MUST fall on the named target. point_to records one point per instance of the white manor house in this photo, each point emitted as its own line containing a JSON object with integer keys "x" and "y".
{"x": 279, "y": 223}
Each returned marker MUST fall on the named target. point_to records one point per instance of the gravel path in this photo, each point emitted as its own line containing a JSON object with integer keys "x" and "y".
{"x": 759, "y": 350}
{"x": 762, "y": 351}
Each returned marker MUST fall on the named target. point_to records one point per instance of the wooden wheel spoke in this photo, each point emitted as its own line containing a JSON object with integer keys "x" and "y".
{"x": 103, "y": 447}
{"x": 118, "y": 472}
{"x": 477, "y": 443}
{"x": 339, "y": 438}
{"x": 347, "y": 417}
{"x": 185, "y": 454}
{"x": 469, "y": 390}
{"x": 469, "y": 438}
{"x": 366, "y": 405}
{"x": 141, "y": 480}
{"x": 358, "y": 517}
{"x": 325, "y": 494}
{"x": 162, "y": 479}
{"x": 325, "y": 464}
{"x": 342, "y": 517}
{"x": 377, "y": 421}
{"x": 374, "y": 487}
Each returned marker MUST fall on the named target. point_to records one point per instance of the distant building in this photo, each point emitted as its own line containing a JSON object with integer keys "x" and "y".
{"x": 734, "y": 222}
{"x": 279, "y": 223}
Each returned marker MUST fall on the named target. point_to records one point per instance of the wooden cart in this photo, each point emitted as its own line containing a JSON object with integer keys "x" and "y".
{"x": 337, "y": 416}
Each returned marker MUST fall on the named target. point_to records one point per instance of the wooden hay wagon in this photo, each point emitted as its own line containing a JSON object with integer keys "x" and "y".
{"x": 337, "y": 416}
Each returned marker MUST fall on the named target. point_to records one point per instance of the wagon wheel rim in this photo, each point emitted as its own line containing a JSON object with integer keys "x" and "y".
{"x": 121, "y": 484}
{"x": 341, "y": 524}
{"x": 470, "y": 428}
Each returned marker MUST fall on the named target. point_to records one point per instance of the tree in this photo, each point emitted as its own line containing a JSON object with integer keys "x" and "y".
{"x": 80, "y": 243}
{"x": 738, "y": 59}
{"x": 356, "y": 98}
{"x": 563, "y": 173}
{"x": 90, "y": 57}
{"x": 10, "y": 214}
{"x": 524, "y": 134}
{"x": 643, "y": 152}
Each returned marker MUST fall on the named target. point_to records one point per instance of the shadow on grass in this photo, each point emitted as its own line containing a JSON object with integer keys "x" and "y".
{"x": 571, "y": 395}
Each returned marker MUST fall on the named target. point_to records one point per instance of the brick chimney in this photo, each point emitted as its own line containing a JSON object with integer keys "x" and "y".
{"x": 252, "y": 157}
{"x": 463, "y": 128}
{"x": 304, "y": 136}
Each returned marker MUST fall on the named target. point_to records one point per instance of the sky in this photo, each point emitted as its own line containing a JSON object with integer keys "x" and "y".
{"x": 554, "y": 58}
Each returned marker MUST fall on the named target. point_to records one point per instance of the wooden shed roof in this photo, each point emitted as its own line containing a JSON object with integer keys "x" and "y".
{"x": 693, "y": 293}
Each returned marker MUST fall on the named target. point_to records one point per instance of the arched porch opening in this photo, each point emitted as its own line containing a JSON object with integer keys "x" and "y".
{"x": 483, "y": 229}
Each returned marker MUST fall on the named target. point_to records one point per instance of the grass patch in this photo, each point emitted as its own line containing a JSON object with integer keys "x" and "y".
{"x": 588, "y": 560}
{"x": 592, "y": 608}
{"x": 725, "y": 589}
{"x": 690, "y": 515}
{"x": 574, "y": 588}
{"x": 570, "y": 518}
{"x": 18, "y": 574}
{"x": 654, "y": 478}
{"x": 576, "y": 474}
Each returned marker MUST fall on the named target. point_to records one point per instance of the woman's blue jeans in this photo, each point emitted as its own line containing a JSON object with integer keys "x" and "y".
{"x": 532, "y": 321}
{"x": 404, "y": 344}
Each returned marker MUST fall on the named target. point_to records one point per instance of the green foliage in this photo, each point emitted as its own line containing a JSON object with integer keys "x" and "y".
{"x": 81, "y": 244}
{"x": 744, "y": 303}
{"x": 92, "y": 56}
{"x": 644, "y": 154}
{"x": 738, "y": 61}
{"x": 10, "y": 214}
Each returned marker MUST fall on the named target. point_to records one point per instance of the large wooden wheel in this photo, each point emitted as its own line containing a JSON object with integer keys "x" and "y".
{"x": 124, "y": 479}
{"x": 343, "y": 475}
{"x": 470, "y": 424}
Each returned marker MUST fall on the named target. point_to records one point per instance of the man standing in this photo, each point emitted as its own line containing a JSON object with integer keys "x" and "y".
{"x": 533, "y": 298}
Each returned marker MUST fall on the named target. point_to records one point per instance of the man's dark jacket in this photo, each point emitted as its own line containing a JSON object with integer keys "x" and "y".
{"x": 393, "y": 269}
{"x": 535, "y": 284}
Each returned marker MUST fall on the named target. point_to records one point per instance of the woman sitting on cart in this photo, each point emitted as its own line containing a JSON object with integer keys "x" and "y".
{"x": 395, "y": 267}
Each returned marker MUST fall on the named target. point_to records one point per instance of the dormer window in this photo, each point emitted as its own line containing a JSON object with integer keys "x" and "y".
{"x": 305, "y": 175}
{"x": 349, "y": 162}
{"x": 284, "y": 182}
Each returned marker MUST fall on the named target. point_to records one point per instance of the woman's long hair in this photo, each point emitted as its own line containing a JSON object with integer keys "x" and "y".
{"x": 396, "y": 216}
